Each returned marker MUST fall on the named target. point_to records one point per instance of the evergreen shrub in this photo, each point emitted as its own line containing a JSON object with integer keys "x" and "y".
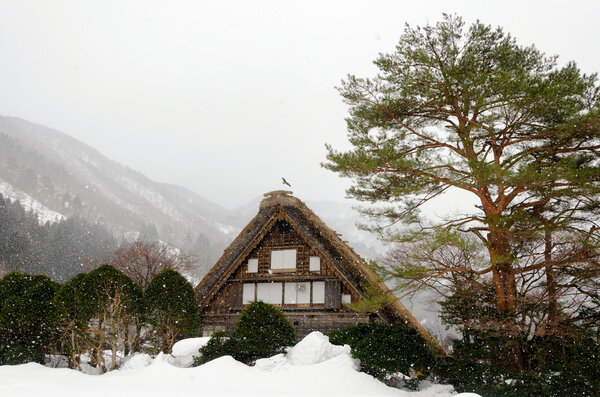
{"x": 217, "y": 346}
{"x": 384, "y": 350}
{"x": 171, "y": 308}
{"x": 559, "y": 367}
{"x": 26, "y": 317}
{"x": 261, "y": 331}
{"x": 69, "y": 323}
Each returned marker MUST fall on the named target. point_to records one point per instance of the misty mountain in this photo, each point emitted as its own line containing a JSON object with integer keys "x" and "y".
{"x": 59, "y": 177}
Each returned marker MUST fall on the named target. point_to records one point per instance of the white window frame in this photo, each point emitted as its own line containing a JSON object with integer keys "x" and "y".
{"x": 284, "y": 259}
{"x": 346, "y": 298}
{"x": 314, "y": 264}
{"x": 271, "y": 293}
{"x": 318, "y": 292}
{"x": 252, "y": 265}
{"x": 248, "y": 293}
{"x": 297, "y": 293}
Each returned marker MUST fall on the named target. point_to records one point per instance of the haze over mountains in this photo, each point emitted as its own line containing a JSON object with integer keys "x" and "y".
{"x": 58, "y": 176}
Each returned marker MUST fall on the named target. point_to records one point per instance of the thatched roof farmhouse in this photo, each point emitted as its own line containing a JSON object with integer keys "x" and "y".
{"x": 286, "y": 256}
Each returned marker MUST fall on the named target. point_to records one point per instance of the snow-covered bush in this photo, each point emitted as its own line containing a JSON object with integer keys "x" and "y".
{"x": 564, "y": 366}
{"x": 261, "y": 331}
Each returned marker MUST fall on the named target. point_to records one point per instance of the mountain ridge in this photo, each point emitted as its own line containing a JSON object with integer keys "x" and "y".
{"x": 71, "y": 178}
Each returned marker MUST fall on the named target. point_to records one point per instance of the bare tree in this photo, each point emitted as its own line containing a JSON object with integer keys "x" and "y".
{"x": 141, "y": 261}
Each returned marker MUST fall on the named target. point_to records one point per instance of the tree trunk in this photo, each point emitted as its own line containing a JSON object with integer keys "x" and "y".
{"x": 137, "y": 340}
{"x": 551, "y": 286}
{"x": 73, "y": 361}
{"x": 503, "y": 272}
{"x": 100, "y": 348}
{"x": 127, "y": 343}
{"x": 115, "y": 347}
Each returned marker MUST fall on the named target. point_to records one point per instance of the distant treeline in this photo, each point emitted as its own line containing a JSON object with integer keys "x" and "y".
{"x": 59, "y": 250}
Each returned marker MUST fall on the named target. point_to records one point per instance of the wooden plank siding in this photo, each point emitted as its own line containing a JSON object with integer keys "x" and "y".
{"x": 276, "y": 240}
{"x": 303, "y": 323}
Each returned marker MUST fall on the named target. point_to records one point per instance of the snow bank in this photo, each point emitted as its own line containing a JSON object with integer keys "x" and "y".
{"x": 314, "y": 367}
{"x": 315, "y": 348}
{"x": 185, "y": 350}
{"x": 137, "y": 361}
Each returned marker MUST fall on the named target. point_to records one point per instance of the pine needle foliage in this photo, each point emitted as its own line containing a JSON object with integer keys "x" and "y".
{"x": 457, "y": 108}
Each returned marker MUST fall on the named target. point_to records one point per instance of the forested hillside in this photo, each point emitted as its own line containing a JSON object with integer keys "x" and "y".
{"x": 53, "y": 172}
{"x": 59, "y": 250}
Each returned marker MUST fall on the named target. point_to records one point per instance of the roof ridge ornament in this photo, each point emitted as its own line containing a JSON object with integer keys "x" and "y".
{"x": 278, "y": 193}
{"x": 279, "y": 197}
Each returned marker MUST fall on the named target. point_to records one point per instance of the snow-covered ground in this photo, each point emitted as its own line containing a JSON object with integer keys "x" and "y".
{"x": 313, "y": 367}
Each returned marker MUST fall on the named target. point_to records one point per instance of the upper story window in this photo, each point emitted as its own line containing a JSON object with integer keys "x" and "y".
{"x": 248, "y": 294}
{"x": 297, "y": 293}
{"x": 253, "y": 265}
{"x": 314, "y": 264}
{"x": 318, "y": 292}
{"x": 283, "y": 259}
{"x": 271, "y": 293}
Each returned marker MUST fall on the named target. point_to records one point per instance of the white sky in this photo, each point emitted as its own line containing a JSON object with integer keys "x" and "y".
{"x": 227, "y": 97}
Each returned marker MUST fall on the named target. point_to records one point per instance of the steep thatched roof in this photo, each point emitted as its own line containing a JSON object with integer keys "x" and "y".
{"x": 349, "y": 264}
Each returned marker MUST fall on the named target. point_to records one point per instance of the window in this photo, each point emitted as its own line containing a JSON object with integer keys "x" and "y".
{"x": 314, "y": 264}
{"x": 269, "y": 293}
{"x": 297, "y": 293}
{"x": 318, "y": 292}
{"x": 346, "y": 298}
{"x": 252, "y": 265}
{"x": 283, "y": 259}
{"x": 248, "y": 294}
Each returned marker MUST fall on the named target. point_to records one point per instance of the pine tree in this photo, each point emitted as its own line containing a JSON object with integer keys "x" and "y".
{"x": 471, "y": 110}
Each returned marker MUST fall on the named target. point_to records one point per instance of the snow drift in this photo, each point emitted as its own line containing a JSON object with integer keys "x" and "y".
{"x": 314, "y": 367}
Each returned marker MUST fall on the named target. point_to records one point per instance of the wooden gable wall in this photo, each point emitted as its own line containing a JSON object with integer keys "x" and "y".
{"x": 280, "y": 234}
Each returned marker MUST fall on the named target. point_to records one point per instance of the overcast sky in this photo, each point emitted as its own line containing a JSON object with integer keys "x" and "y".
{"x": 224, "y": 97}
